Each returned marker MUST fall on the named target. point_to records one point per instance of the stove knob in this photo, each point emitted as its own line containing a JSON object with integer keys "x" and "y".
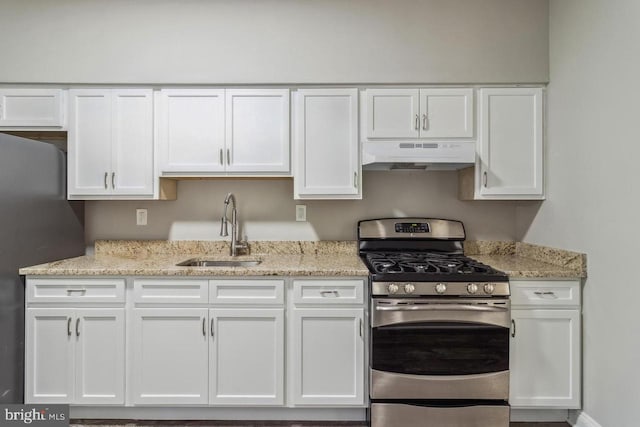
{"x": 441, "y": 288}
{"x": 489, "y": 288}
{"x": 392, "y": 288}
{"x": 472, "y": 288}
{"x": 409, "y": 288}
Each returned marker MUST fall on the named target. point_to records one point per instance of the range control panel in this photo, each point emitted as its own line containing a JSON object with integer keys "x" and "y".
{"x": 412, "y": 227}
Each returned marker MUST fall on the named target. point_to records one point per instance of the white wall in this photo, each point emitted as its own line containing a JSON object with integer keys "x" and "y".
{"x": 593, "y": 203}
{"x": 267, "y": 209}
{"x": 273, "y": 41}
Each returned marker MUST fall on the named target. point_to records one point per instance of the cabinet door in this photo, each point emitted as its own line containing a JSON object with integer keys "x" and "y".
{"x": 247, "y": 356}
{"x": 99, "y": 356}
{"x": 191, "y": 130}
{"x": 393, "y": 113}
{"x": 257, "y": 130}
{"x": 446, "y": 113}
{"x": 49, "y": 355}
{"x": 510, "y": 143}
{"x": 89, "y": 142}
{"x": 132, "y": 141}
{"x": 329, "y": 357}
{"x": 31, "y": 108}
{"x": 170, "y": 356}
{"x": 328, "y": 165}
{"x": 545, "y": 359}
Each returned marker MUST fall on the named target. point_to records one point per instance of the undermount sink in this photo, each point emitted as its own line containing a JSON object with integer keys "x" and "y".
{"x": 218, "y": 263}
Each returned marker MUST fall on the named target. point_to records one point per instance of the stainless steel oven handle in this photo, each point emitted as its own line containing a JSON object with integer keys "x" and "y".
{"x": 443, "y": 307}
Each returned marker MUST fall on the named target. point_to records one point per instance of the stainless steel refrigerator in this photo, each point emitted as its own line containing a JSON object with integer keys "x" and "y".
{"x": 37, "y": 225}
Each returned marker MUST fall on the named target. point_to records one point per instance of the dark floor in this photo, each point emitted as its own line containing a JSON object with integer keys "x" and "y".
{"x": 135, "y": 423}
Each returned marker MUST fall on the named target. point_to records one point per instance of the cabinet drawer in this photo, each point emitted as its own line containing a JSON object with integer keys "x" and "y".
{"x": 75, "y": 290}
{"x": 269, "y": 292}
{"x": 171, "y": 291}
{"x": 328, "y": 291}
{"x": 546, "y": 293}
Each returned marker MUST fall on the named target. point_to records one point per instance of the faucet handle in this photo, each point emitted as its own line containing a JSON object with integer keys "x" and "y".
{"x": 224, "y": 230}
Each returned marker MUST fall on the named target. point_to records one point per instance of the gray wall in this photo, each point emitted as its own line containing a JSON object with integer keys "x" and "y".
{"x": 593, "y": 203}
{"x": 267, "y": 210}
{"x": 274, "y": 41}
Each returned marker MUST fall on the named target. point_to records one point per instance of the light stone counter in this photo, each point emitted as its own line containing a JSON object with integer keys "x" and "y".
{"x": 524, "y": 260}
{"x": 325, "y": 258}
{"x": 159, "y": 258}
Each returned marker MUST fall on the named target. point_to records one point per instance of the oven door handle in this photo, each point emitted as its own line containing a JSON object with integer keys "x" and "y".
{"x": 443, "y": 307}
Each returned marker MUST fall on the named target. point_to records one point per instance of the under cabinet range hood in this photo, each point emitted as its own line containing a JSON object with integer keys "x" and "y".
{"x": 447, "y": 155}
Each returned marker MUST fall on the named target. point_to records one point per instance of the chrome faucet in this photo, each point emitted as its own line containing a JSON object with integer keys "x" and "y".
{"x": 224, "y": 231}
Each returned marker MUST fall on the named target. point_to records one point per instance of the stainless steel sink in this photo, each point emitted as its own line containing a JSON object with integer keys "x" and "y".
{"x": 218, "y": 263}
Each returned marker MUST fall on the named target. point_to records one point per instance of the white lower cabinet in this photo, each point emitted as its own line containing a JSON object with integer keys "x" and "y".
{"x": 329, "y": 356}
{"x": 75, "y": 355}
{"x": 170, "y": 356}
{"x": 545, "y": 345}
{"x": 223, "y": 356}
{"x": 246, "y": 356}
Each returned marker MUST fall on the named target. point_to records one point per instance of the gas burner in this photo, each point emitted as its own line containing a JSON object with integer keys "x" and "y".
{"x": 424, "y": 263}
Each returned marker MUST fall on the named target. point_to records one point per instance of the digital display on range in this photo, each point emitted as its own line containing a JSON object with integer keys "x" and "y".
{"x": 412, "y": 227}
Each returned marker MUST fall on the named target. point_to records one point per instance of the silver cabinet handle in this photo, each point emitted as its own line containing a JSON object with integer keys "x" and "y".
{"x": 221, "y": 157}
{"x": 106, "y": 175}
{"x": 355, "y": 179}
{"x": 417, "y": 122}
{"x": 204, "y": 326}
{"x": 69, "y": 326}
{"x": 228, "y": 156}
{"x": 424, "y": 122}
{"x": 212, "y": 333}
{"x": 71, "y": 291}
{"x": 513, "y": 329}
{"x": 78, "y": 327}
{"x": 484, "y": 179}
{"x": 326, "y": 294}
{"x": 361, "y": 329}
{"x": 545, "y": 294}
{"x": 113, "y": 180}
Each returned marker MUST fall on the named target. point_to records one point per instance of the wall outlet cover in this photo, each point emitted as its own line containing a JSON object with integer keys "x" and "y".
{"x": 141, "y": 217}
{"x": 301, "y": 212}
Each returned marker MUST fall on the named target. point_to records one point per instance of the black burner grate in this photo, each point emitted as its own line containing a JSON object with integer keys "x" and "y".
{"x": 425, "y": 263}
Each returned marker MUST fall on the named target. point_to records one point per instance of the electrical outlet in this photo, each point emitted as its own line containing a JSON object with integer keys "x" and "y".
{"x": 141, "y": 217}
{"x": 301, "y": 212}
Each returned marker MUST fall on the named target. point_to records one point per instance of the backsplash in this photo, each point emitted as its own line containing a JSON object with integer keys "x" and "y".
{"x": 266, "y": 210}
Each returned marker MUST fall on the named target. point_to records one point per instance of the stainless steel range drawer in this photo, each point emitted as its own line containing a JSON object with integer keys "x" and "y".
{"x": 406, "y": 415}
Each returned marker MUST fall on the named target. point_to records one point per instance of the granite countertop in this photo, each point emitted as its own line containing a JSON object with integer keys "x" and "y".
{"x": 159, "y": 258}
{"x": 324, "y": 258}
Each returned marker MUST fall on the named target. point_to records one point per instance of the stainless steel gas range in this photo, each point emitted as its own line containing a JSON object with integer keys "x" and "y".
{"x": 440, "y": 323}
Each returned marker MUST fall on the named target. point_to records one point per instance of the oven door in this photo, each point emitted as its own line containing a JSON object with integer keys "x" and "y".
{"x": 440, "y": 349}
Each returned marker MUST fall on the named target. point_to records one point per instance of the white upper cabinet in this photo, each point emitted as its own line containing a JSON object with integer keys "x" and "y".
{"x": 31, "y": 108}
{"x": 212, "y": 131}
{"x": 393, "y": 113}
{"x": 110, "y": 143}
{"x": 257, "y": 130}
{"x": 191, "y": 130}
{"x": 326, "y": 144}
{"x": 510, "y": 146}
{"x": 446, "y": 113}
{"x": 419, "y": 113}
